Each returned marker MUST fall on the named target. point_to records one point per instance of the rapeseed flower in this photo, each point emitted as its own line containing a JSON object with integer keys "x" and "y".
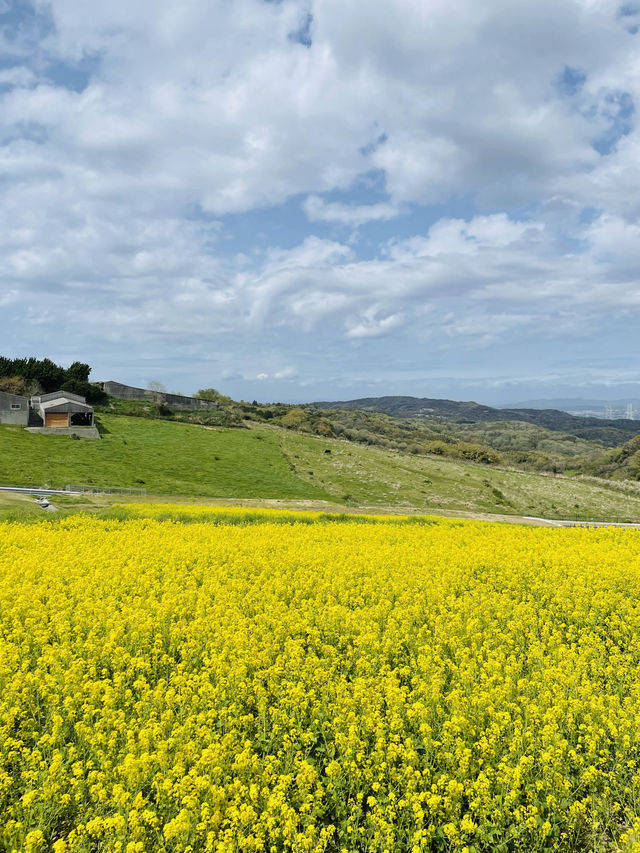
{"x": 274, "y": 682}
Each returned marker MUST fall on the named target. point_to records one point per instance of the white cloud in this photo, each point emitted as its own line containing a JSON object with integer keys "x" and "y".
{"x": 228, "y": 112}
{"x": 499, "y": 274}
{"x": 458, "y": 237}
{"x": 371, "y": 325}
{"x": 284, "y": 374}
{"x": 17, "y": 75}
{"x": 203, "y": 110}
{"x": 353, "y": 215}
{"x": 156, "y": 282}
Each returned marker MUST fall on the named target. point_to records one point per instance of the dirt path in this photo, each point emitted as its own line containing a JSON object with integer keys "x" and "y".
{"x": 95, "y": 502}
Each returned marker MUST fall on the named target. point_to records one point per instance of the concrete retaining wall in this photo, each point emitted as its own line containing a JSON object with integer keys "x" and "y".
{"x": 173, "y": 401}
{"x": 83, "y": 432}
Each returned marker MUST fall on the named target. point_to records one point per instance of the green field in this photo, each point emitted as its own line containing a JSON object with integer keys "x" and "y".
{"x": 372, "y": 476}
{"x": 159, "y": 456}
{"x": 264, "y": 462}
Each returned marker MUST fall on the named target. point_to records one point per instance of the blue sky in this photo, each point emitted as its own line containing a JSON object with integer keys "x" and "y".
{"x": 324, "y": 199}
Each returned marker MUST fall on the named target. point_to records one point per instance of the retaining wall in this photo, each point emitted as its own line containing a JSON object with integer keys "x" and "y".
{"x": 173, "y": 401}
{"x": 82, "y": 432}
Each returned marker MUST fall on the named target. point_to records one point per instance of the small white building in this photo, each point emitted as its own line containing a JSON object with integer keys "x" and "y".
{"x": 62, "y": 409}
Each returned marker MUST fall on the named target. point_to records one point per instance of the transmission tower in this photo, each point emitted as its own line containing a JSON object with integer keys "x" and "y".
{"x": 629, "y": 414}
{"x": 608, "y": 412}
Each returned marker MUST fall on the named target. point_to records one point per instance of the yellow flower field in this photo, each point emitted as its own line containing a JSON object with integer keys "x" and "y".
{"x": 262, "y": 684}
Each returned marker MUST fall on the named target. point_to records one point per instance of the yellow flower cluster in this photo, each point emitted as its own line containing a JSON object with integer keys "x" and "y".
{"x": 373, "y": 686}
{"x": 251, "y": 515}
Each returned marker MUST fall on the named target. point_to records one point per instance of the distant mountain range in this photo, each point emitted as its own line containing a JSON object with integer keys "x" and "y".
{"x": 608, "y": 432}
{"x": 578, "y": 404}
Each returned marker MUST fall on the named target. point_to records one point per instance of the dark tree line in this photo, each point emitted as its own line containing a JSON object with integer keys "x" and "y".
{"x": 42, "y": 376}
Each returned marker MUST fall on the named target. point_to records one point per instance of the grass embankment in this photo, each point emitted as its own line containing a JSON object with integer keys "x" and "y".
{"x": 159, "y": 456}
{"x": 265, "y": 463}
{"x": 372, "y": 476}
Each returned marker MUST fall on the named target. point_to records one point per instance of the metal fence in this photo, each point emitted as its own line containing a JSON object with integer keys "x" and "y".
{"x": 104, "y": 490}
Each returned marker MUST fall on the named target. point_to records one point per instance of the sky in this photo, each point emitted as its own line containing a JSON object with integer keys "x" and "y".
{"x": 324, "y": 199}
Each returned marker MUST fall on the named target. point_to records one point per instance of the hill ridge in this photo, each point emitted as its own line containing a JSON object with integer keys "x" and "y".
{"x": 427, "y": 407}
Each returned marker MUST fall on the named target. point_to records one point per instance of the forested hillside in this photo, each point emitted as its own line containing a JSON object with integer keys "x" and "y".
{"x": 25, "y": 376}
{"x": 608, "y": 433}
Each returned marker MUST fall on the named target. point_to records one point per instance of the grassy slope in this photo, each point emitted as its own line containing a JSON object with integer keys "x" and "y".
{"x": 170, "y": 458}
{"x": 19, "y": 507}
{"x": 180, "y": 459}
{"x": 369, "y": 475}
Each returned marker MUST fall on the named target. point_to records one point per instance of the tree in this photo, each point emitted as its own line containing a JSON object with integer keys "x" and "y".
{"x": 323, "y": 427}
{"x": 77, "y": 372}
{"x": 14, "y": 385}
{"x": 159, "y": 390}
{"x": 214, "y": 395}
{"x": 294, "y": 419}
{"x": 90, "y": 391}
{"x": 51, "y": 376}
{"x": 38, "y": 376}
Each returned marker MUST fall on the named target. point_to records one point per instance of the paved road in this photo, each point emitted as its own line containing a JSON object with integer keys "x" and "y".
{"x": 557, "y": 522}
{"x": 41, "y": 491}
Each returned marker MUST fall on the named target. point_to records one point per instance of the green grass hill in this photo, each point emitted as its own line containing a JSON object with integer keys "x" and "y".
{"x": 268, "y": 462}
{"x": 159, "y": 456}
